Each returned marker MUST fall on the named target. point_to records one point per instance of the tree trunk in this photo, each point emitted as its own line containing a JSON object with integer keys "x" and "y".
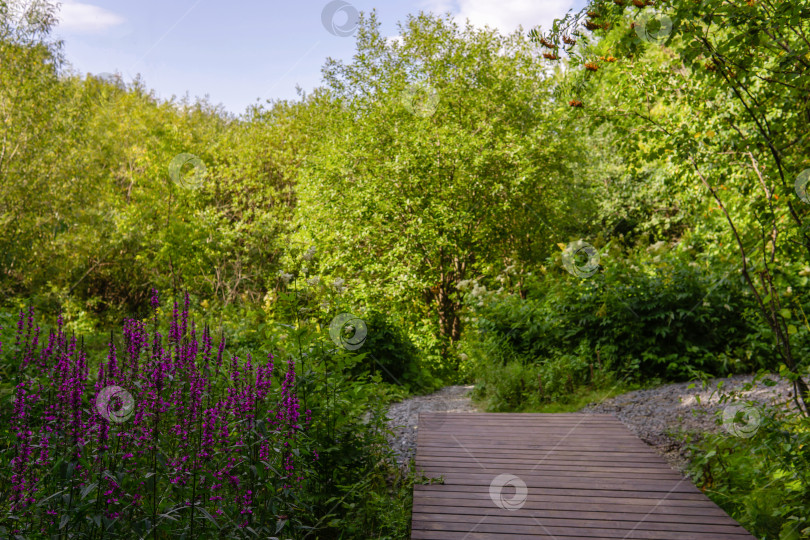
{"x": 449, "y": 320}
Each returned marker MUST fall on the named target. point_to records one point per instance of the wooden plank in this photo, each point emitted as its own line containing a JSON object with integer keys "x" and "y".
{"x": 648, "y": 531}
{"x": 545, "y": 456}
{"x": 560, "y": 462}
{"x": 562, "y": 442}
{"x": 607, "y": 504}
{"x": 686, "y": 501}
{"x": 585, "y": 476}
{"x": 583, "y": 534}
{"x": 484, "y": 477}
{"x": 540, "y": 465}
{"x": 584, "y": 472}
{"x": 643, "y": 521}
{"x": 584, "y": 518}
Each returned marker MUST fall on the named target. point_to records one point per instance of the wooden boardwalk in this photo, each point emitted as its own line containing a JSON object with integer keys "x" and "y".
{"x": 565, "y": 476}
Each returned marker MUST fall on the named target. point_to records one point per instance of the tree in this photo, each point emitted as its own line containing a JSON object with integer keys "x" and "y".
{"x": 29, "y": 98}
{"x": 721, "y": 89}
{"x": 444, "y": 160}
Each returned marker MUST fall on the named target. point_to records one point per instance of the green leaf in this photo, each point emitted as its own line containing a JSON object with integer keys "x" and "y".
{"x": 208, "y": 516}
{"x": 280, "y": 525}
{"x": 87, "y": 489}
{"x": 69, "y": 470}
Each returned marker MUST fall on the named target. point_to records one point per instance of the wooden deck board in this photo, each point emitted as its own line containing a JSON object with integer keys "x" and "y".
{"x": 586, "y": 476}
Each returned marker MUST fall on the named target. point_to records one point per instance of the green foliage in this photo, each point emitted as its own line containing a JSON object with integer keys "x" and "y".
{"x": 451, "y": 157}
{"x": 715, "y": 102}
{"x": 357, "y": 481}
{"x": 763, "y": 481}
{"x": 561, "y": 384}
{"x": 415, "y": 196}
{"x": 391, "y": 352}
{"x": 114, "y": 219}
{"x": 654, "y": 316}
{"x": 360, "y": 492}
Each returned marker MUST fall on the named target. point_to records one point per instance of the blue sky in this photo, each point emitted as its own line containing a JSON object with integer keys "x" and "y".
{"x": 241, "y": 50}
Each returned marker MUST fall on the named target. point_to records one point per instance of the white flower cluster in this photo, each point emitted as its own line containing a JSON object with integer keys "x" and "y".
{"x": 309, "y": 253}
{"x": 338, "y": 285}
{"x": 285, "y": 277}
{"x": 478, "y": 291}
{"x": 656, "y": 246}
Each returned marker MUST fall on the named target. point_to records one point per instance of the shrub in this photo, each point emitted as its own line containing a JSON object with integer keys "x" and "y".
{"x": 642, "y": 320}
{"x": 390, "y": 351}
{"x": 762, "y": 481}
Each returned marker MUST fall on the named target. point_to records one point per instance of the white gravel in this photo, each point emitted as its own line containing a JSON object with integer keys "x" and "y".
{"x": 404, "y": 416}
{"x": 659, "y": 416}
{"x": 663, "y": 416}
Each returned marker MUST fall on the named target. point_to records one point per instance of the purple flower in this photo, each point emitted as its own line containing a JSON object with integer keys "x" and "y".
{"x": 212, "y": 445}
{"x": 155, "y": 300}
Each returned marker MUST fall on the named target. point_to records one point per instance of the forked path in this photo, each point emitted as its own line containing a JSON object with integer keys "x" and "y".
{"x": 565, "y": 476}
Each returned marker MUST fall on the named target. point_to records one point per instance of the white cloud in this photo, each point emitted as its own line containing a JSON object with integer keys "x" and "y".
{"x": 390, "y": 40}
{"x": 86, "y": 18}
{"x": 505, "y": 15}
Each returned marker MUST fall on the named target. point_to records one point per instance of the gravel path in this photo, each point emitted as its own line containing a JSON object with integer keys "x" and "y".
{"x": 659, "y": 416}
{"x": 404, "y": 416}
{"x": 662, "y": 416}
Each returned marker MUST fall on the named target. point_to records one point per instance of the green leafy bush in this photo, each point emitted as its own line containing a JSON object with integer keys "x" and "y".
{"x": 763, "y": 481}
{"x": 391, "y": 352}
{"x": 644, "y": 319}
